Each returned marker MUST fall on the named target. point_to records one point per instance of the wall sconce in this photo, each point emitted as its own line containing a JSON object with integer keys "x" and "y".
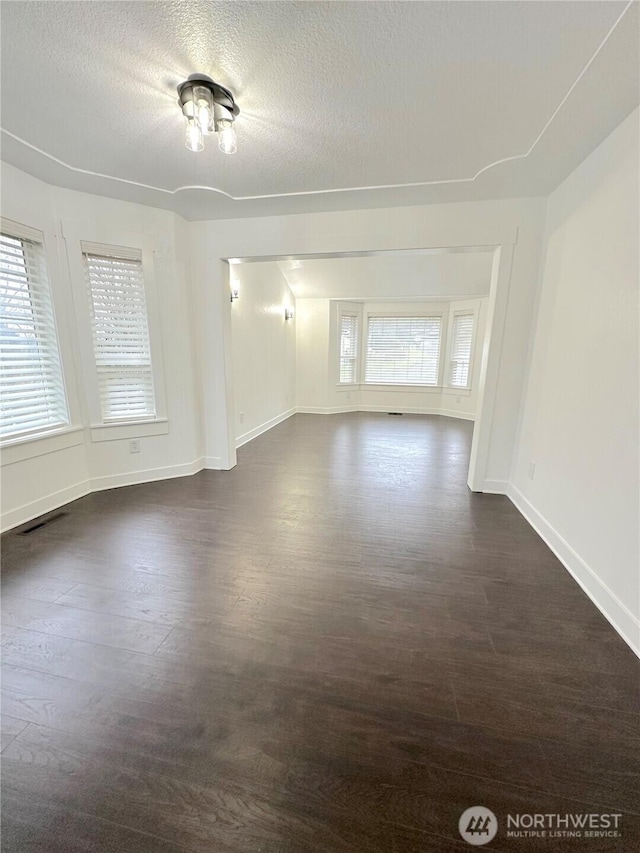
{"x": 235, "y": 294}
{"x": 288, "y": 313}
{"x": 208, "y": 108}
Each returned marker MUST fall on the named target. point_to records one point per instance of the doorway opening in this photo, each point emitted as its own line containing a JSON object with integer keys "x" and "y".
{"x": 425, "y": 327}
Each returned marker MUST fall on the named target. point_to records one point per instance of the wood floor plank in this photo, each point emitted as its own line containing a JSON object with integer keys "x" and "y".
{"x": 33, "y": 827}
{"x": 11, "y": 728}
{"x": 165, "y": 610}
{"x": 75, "y": 624}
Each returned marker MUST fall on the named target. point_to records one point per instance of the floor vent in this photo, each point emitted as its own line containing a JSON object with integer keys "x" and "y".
{"x": 396, "y": 414}
{"x": 37, "y": 525}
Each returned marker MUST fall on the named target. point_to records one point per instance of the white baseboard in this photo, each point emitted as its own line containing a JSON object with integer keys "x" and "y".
{"x": 496, "y": 487}
{"x": 318, "y": 410}
{"x": 134, "y": 478}
{"x": 212, "y": 463}
{"x": 607, "y": 602}
{"x": 27, "y": 512}
{"x": 267, "y": 425}
{"x": 453, "y": 413}
{"x": 405, "y": 410}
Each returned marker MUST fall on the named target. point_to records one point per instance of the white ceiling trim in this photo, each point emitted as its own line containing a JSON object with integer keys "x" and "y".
{"x": 340, "y": 189}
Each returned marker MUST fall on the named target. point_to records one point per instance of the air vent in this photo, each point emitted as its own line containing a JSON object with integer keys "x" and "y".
{"x": 38, "y": 524}
{"x": 396, "y": 414}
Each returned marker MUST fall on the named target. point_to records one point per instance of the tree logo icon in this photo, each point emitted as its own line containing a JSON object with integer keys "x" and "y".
{"x": 478, "y": 825}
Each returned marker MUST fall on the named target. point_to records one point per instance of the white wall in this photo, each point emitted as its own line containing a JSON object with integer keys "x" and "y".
{"x": 263, "y": 349}
{"x": 581, "y": 411}
{"x": 317, "y": 362}
{"x": 36, "y": 485}
{"x": 312, "y": 353}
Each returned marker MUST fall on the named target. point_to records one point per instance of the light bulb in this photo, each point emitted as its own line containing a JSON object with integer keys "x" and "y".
{"x": 227, "y": 141}
{"x": 203, "y": 108}
{"x": 194, "y": 141}
{"x": 205, "y": 118}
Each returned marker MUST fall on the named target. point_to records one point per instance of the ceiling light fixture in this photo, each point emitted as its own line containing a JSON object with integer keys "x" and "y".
{"x": 208, "y": 108}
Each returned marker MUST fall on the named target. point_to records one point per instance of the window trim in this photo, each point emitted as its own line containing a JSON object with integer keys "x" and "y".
{"x": 77, "y": 236}
{"x": 108, "y": 259}
{"x": 337, "y": 309}
{"x": 357, "y": 316}
{"x": 20, "y": 231}
{"x": 454, "y": 315}
{"x": 462, "y": 307}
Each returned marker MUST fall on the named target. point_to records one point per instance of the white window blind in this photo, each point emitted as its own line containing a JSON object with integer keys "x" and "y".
{"x": 461, "y": 339}
{"x": 120, "y": 333}
{"x": 32, "y": 396}
{"x": 348, "y": 348}
{"x": 403, "y": 350}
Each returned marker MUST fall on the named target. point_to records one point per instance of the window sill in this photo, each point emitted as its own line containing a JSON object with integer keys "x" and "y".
{"x": 31, "y": 446}
{"x": 456, "y": 392}
{"x": 129, "y": 429}
{"x": 429, "y": 389}
{"x": 366, "y": 386}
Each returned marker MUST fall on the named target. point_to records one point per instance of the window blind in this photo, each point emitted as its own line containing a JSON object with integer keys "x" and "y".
{"x": 461, "y": 339}
{"x": 32, "y": 395}
{"x": 120, "y": 331}
{"x": 348, "y": 348}
{"x": 403, "y": 350}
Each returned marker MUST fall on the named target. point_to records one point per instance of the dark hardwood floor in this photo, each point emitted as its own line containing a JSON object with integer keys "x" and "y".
{"x": 333, "y": 647}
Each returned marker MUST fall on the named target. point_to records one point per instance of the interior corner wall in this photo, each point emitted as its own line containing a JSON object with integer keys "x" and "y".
{"x": 39, "y": 484}
{"x": 580, "y": 418}
{"x": 263, "y": 349}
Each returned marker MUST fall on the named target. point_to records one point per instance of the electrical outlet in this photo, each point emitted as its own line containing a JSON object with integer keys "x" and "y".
{"x": 532, "y": 470}
{"x": 458, "y": 399}
{"x": 134, "y": 445}
{"x": 348, "y": 395}
{"x": 241, "y": 417}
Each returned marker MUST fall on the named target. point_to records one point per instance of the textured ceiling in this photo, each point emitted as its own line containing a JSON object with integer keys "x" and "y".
{"x": 343, "y": 104}
{"x": 391, "y": 275}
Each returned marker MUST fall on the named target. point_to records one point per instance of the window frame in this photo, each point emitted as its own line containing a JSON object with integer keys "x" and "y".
{"x": 462, "y": 307}
{"x": 110, "y": 242}
{"x": 356, "y": 315}
{"x": 417, "y": 311}
{"x": 455, "y": 314}
{"x": 128, "y": 260}
{"x": 21, "y": 445}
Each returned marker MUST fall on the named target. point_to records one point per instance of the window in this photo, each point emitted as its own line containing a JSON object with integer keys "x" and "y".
{"x": 348, "y": 348}
{"x": 32, "y": 394}
{"x": 403, "y": 350}
{"x": 461, "y": 340}
{"x": 120, "y": 332}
